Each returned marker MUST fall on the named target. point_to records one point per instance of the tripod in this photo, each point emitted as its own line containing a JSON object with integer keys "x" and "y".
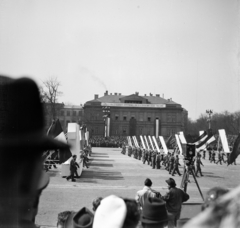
{"x": 188, "y": 169}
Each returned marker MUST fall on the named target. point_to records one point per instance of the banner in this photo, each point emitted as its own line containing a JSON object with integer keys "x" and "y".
{"x": 108, "y": 126}
{"x": 136, "y": 141}
{"x": 182, "y": 138}
{"x": 224, "y": 141}
{"x": 150, "y": 140}
{"x": 157, "y": 128}
{"x": 179, "y": 144}
{"x": 144, "y": 147}
{"x": 163, "y": 144}
{"x": 155, "y": 142}
{"x": 146, "y": 141}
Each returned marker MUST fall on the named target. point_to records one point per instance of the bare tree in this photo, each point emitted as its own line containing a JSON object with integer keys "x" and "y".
{"x": 51, "y": 94}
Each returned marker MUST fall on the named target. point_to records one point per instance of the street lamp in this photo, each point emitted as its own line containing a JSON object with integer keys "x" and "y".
{"x": 106, "y": 114}
{"x": 209, "y": 112}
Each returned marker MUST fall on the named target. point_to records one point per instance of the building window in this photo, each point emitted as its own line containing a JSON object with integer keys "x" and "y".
{"x": 124, "y": 130}
{"x": 74, "y": 113}
{"x": 62, "y": 113}
{"x": 116, "y": 117}
{"x": 125, "y": 118}
{"x": 140, "y": 116}
{"x": 68, "y": 113}
{"x": 149, "y": 119}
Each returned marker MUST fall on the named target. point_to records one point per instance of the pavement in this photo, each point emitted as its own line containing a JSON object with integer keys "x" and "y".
{"x": 111, "y": 172}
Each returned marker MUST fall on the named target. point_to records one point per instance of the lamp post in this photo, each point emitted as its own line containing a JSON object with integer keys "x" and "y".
{"x": 106, "y": 114}
{"x": 209, "y": 112}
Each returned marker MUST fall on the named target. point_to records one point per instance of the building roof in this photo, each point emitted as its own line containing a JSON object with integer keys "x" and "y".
{"x": 113, "y": 98}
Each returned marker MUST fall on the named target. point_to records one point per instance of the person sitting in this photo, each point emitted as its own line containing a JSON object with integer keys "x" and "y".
{"x": 22, "y": 143}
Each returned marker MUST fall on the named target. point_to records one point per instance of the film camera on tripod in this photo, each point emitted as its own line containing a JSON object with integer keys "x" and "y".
{"x": 189, "y": 153}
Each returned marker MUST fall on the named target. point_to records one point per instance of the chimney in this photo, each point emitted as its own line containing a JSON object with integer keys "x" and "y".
{"x": 95, "y": 96}
{"x": 110, "y": 93}
{"x": 157, "y": 95}
{"x": 115, "y": 93}
{"x": 150, "y": 94}
{"x": 136, "y": 93}
{"x": 106, "y": 93}
{"x": 119, "y": 94}
{"x": 163, "y": 95}
{"x": 145, "y": 95}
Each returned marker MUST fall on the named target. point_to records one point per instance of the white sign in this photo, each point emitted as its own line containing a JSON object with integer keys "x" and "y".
{"x": 134, "y": 105}
{"x": 155, "y": 142}
{"x": 143, "y": 144}
{"x": 179, "y": 144}
{"x": 163, "y": 144}
{"x": 224, "y": 141}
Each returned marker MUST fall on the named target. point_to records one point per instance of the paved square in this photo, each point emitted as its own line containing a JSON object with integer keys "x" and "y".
{"x": 111, "y": 172}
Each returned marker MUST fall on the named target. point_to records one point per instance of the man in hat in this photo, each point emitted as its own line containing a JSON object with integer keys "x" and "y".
{"x": 22, "y": 142}
{"x": 174, "y": 199}
{"x": 154, "y": 214}
{"x": 80, "y": 219}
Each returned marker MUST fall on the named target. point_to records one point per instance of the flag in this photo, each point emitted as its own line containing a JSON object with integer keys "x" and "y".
{"x": 205, "y": 141}
{"x": 236, "y": 150}
{"x": 200, "y": 138}
{"x": 57, "y": 133}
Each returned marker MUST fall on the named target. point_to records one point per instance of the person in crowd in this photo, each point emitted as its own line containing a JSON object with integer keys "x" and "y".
{"x": 175, "y": 166}
{"x": 84, "y": 157}
{"x": 147, "y": 191}
{"x": 171, "y": 163}
{"x": 116, "y": 212}
{"x": 154, "y": 156}
{"x": 212, "y": 195}
{"x": 62, "y": 218}
{"x": 81, "y": 219}
{"x": 133, "y": 214}
{"x": 22, "y": 143}
{"x": 73, "y": 168}
{"x": 154, "y": 214}
{"x": 174, "y": 199}
{"x": 96, "y": 202}
{"x": 198, "y": 165}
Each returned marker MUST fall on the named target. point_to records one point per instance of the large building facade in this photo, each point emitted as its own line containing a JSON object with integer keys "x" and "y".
{"x": 133, "y": 115}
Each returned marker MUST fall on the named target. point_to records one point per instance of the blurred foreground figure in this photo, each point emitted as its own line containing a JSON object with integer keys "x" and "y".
{"x": 22, "y": 141}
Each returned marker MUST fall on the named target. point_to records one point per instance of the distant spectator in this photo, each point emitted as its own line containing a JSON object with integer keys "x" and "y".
{"x": 154, "y": 213}
{"x": 96, "y": 202}
{"x": 146, "y": 192}
{"x": 73, "y": 168}
{"x": 62, "y": 218}
{"x": 212, "y": 195}
{"x": 174, "y": 199}
{"x": 111, "y": 213}
{"x": 81, "y": 219}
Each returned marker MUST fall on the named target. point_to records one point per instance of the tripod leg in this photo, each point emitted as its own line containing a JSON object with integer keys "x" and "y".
{"x": 184, "y": 181}
{"x": 197, "y": 184}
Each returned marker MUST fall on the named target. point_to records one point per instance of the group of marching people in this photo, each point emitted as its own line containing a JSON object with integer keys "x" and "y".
{"x": 156, "y": 159}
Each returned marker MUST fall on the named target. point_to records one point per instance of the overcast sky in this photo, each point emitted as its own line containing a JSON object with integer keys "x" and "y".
{"x": 188, "y": 50}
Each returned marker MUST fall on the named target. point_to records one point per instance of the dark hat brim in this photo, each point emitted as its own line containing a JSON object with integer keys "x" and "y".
{"x": 149, "y": 221}
{"x": 35, "y": 140}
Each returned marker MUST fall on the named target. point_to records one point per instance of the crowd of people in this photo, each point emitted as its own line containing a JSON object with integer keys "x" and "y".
{"x": 112, "y": 141}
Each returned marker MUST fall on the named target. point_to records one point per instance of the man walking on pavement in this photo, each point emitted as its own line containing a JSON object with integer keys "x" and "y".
{"x": 73, "y": 168}
{"x": 198, "y": 165}
{"x": 175, "y": 166}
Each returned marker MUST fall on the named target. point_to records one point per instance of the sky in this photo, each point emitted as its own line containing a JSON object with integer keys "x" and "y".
{"x": 188, "y": 50}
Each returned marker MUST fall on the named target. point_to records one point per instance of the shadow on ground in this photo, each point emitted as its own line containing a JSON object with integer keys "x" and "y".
{"x": 101, "y": 175}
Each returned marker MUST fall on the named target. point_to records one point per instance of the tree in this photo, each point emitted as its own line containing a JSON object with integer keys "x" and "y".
{"x": 51, "y": 94}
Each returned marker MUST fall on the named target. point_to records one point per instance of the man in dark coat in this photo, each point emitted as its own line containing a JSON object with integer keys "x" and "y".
{"x": 198, "y": 165}
{"x": 174, "y": 199}
{"x": 175, "y": 166}
{"x": 154, "y": 156}
{"x": 73, "y": 168}
{"x": 171, "y": 163}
